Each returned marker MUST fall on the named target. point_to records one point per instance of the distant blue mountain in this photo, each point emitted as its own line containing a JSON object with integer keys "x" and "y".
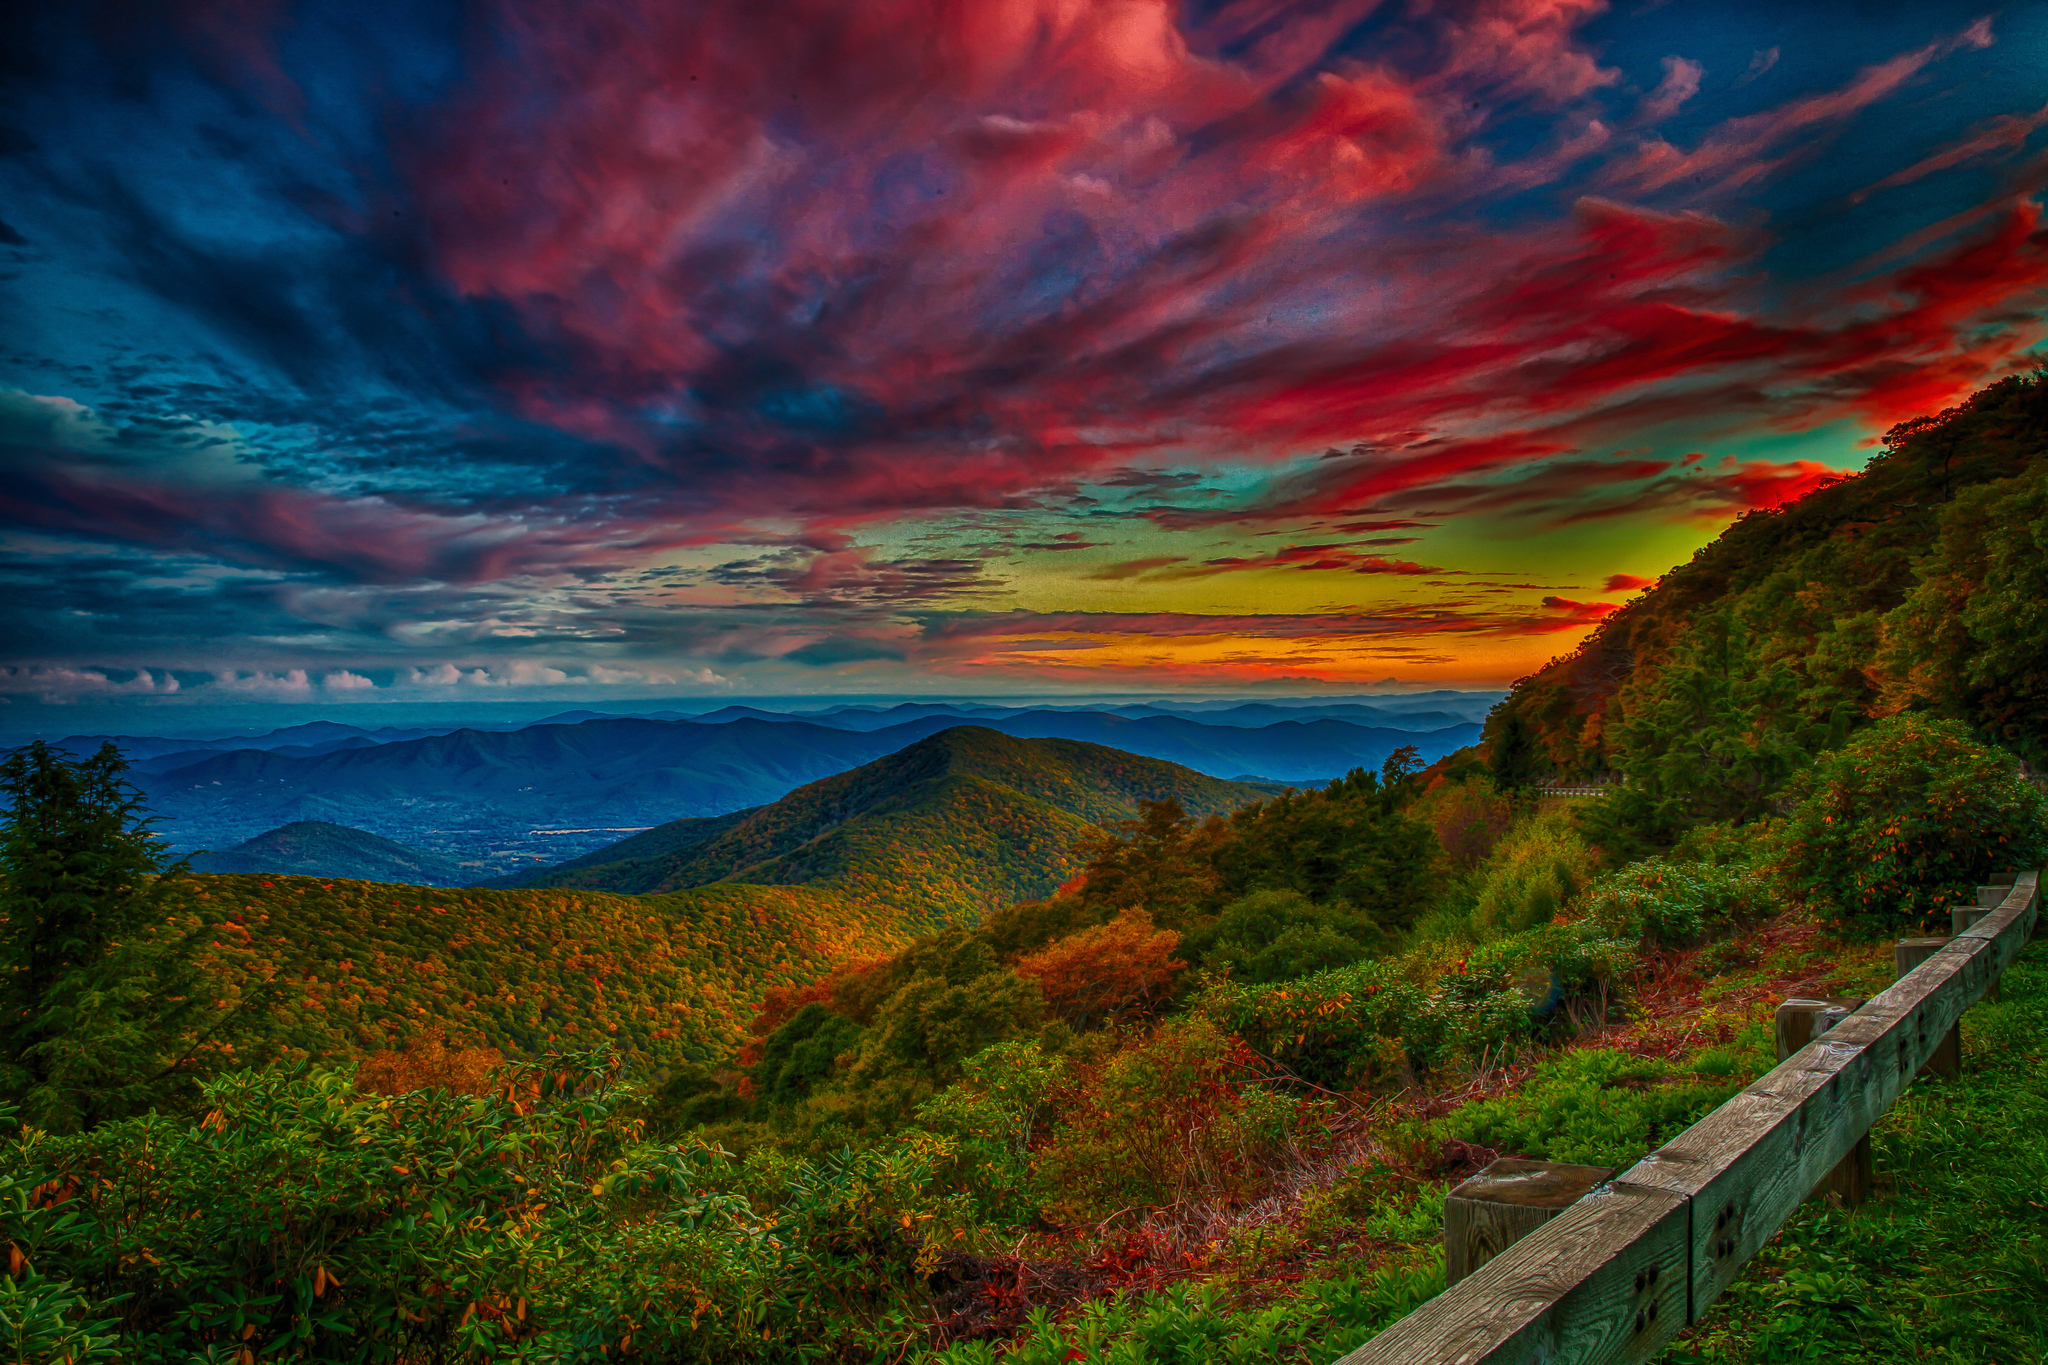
{"x": 488, "y": 794}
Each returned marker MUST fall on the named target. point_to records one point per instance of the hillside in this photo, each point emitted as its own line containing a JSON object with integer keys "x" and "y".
{"x": 1917, "y": 584}
{"x": 949, "y": 827}
{"x": 371, "y": 965}
{"x": 315, "y": 848}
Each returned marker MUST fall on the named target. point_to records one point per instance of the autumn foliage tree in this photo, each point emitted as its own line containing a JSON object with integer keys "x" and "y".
{"x": 1163, "y": 863}
{"x": 1111, "y": 971}
{"x": 427, "y": 1062}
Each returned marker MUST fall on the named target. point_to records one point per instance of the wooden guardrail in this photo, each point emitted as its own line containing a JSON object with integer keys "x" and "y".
{"x": 1614, "y": 1277}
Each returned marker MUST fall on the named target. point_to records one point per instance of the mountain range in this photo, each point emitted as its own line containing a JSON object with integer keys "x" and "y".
{"x": 934, "y": 834}
{"x": 498, "y": 799}
{"x": 1419, "y": 711}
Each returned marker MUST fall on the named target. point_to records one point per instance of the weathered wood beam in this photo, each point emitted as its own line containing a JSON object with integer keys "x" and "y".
{"x": 1504, "y": 1203}
{"x": 1798, "y": 1022}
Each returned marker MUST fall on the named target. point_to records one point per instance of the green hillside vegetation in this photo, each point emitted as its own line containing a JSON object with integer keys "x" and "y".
{"x": 1919, "y": 584}
{"x": 844, "y": 869}
{"x": 1200, "y": 1102}
{"x": 315, "y": 847}
{"x": 939, "y": 832}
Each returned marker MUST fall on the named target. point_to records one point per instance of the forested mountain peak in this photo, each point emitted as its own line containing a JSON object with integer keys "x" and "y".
{"x": 951, "y": 825}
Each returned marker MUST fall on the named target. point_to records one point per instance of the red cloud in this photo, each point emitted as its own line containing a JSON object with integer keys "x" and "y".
{"x": 873, "y": 221}
{"x": 1625, "y": 582}
{"x": 1569, "y": 615}
{"x": 1761, "y": 485}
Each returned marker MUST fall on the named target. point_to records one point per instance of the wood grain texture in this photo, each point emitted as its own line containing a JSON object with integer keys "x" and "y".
{"x": 1798, "y": 1022}
{"x": 1964, "y": 917}
{"x": 1573, "y": 1292}
{"x": 1604, "y": 1280}
{"x": 1506, "y": 1202}
{"x": 1946, "y": 1061}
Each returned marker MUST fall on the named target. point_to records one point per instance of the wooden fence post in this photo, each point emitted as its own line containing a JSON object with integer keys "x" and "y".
{"x": 1798, "y": 1022}
{"x": 1508, "y": 1200}
{"x": 1947, "y": 1061}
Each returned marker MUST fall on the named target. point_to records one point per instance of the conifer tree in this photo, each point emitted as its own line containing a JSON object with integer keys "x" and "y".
{"x": 105, "y": 1008}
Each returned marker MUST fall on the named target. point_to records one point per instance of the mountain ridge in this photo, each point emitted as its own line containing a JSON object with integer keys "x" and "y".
{"x": 481, "y": 796}
{"x": 953, "y": 824}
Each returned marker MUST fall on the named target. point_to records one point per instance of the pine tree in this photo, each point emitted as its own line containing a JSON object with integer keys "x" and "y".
{"x": 105, "y": 1007}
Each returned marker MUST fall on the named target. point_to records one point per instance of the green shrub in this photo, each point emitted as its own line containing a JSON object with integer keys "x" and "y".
{"x": 1197, "y": 1325}
{"x": 1277, "y": 934}
{"x": 1185, "y": 1113}
{"x": 1534, "y": 873}
{"x": 801, "y": 1053}
{"x": 1370, "y": 1022}
{"x": 1673, "y": 902}
{"x": 1907, "y": 818}
{"x": 994, "y": 1114}
{"x": 302, "y": 1220}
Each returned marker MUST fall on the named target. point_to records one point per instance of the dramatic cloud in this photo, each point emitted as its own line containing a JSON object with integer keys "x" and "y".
{"x": 628, "y": 341}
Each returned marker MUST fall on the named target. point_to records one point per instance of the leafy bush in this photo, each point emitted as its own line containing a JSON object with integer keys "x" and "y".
{"x": 304, "y": 1220}
{"x": 1279, "y": 934}
{"x": 801, "y": 1053}
{"x": 1197, "y": 1325}
{"x": 1905, "y": 819}
{"x": 1372, "y": 1021}
{"x": 930, "y": 1025}
{"x": 1468, "y": 819}
{"x": 994, "y": 1113}
{"x": 1184, "y": 1113}
{"x": 1598, "y": 1107}
{"x": 1674, "y": 902}
{"x": 1110, "y": 971}
{"x": 1535, "y": 872}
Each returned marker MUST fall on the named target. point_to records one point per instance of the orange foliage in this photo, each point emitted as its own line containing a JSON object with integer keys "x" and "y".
{"x": 1122, "y": 967}
{"x": 428, "y": 1062}
{"x": 838, "y": 991}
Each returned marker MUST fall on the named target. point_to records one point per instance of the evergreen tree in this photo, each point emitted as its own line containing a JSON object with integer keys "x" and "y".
{"x": 1711, "y": 735}
{"x": 105, "y": 1008}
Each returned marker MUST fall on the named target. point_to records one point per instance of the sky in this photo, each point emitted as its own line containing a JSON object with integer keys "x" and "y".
{"x": 411, "y": 351}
